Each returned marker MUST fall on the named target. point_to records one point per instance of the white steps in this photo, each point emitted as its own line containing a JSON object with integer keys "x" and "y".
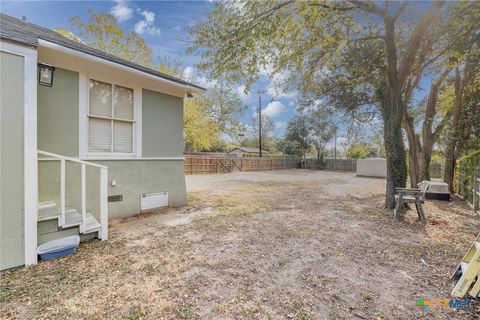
{"x": 92, "y": 225}
{"x": 72, "y": 218}
{"x": 49, "y": 210}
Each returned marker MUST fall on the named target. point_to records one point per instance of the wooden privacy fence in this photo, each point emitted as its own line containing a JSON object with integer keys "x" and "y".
{"x": 207, "y": 165}
{"x": 332, "y": 164}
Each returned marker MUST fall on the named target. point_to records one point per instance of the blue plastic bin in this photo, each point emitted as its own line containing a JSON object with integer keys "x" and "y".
{"x": 58, "y": 248}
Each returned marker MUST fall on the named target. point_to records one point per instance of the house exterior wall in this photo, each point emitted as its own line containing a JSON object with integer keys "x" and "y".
{"x": 159, "y": 169}
{"x": 12, "y": 185}
{"x": 133, "y": 178}
{"x": 58, "y": 114}
{"x": 162, "y": 125}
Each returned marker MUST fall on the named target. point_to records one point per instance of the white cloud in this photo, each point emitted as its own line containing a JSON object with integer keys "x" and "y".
{"x": 176, "y": 28}
{"x": 280, "y": 125}
{"x": 191, "y": 74}
{"x": 276, "y": 92}
{"x": 274, "y": 109}
{"x": 121, "y": 11}
{"x": 241, "y": 93}
{"x": 266, "y": 70}
{"x": 146, "y": 26}
{"x": 277, "y": 84}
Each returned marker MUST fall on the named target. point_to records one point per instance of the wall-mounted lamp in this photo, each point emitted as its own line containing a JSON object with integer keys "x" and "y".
{"x": 45, "y": 74}
{"x": 189, "y": 95}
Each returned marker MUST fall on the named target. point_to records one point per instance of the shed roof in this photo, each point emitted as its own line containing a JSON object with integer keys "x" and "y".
{"x": 248, "y": 150}
{"x": 29, "y": 34}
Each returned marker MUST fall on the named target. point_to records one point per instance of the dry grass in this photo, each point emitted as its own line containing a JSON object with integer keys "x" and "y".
{"x": 272, "y": 248}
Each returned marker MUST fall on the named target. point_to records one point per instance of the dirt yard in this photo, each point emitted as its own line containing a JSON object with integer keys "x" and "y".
{"x": 290, "y": 244}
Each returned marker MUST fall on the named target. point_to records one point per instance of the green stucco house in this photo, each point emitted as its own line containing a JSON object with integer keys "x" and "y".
{"x": 85, "y": 137}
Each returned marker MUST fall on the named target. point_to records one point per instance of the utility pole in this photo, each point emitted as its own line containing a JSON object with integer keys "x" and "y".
{"x": 260, "y": 124}
{"x": 335, "y": 152}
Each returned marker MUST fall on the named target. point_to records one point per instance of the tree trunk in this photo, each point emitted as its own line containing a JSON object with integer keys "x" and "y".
{"x": 450, "y": 154}
{"x": 395, "y": 151}
{"x": 393, "y": 112}
{"x": 414, "y": 151}
{"x": 425, "y": 160}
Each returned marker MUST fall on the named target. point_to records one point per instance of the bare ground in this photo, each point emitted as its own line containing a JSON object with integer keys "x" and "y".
{"x": 290, "y": 244}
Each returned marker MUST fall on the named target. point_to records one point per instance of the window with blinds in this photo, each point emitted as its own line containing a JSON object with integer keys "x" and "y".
{"x": 111, "y": 118}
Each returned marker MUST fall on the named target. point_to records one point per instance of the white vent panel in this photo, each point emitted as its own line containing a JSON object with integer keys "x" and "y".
{"x": 156, "y": 200}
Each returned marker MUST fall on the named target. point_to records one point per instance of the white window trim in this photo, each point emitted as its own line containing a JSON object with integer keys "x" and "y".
{"x": 30, "y": 156}
{"x": 84, "y": 116}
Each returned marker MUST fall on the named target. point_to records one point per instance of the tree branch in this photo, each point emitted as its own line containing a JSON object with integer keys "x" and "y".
{"x": 336, "y": 8}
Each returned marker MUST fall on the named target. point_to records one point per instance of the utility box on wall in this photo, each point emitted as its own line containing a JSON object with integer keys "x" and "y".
{"x": 372, "y": 167}
{"x": 149, "y": 201}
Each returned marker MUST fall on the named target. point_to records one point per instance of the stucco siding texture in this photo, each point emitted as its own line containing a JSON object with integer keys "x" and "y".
{"x": 133, "y": 178}
{"x": 12, "y": 187}
{"x": 162, "y": 125}
{"x": 58, "y": 123}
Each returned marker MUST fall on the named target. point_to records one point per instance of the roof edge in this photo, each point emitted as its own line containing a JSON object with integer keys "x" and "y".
{"x": 68, "y": 50}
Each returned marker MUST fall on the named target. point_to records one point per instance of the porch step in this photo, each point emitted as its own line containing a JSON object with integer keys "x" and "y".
{"x": 92, "y": 225}
{"x": 48, "y": 210}
{"x": 72, "y": 218}
{"x": 46, "y": 204}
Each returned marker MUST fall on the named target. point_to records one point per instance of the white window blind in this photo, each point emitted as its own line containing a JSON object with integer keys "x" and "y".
{"x": 111, "y": 118}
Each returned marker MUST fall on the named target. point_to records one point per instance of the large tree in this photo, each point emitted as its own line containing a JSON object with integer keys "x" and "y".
{"x": 102, "y": 32}
{"x": 307, "y": 40}
{"x": 464, "y": 129}
{"x": 447, "y": 46}
{"x": 225, "y": 108}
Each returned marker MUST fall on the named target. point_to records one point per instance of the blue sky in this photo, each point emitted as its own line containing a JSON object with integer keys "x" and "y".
{"x": 163, "y": 25}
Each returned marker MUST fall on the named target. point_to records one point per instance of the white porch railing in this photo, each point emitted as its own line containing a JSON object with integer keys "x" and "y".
{"x": 83, "y": 210}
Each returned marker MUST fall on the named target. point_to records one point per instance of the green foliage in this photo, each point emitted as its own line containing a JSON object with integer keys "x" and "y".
{"x": 225, "y": 108}
{"x": 297, "y": 134}
{"x": 102, "y": 32}
{"x": 466, "y": 169}
{"x": 201, "y": 132}
{"x": 360, "y": 151}
{"x": 286, "y": 147}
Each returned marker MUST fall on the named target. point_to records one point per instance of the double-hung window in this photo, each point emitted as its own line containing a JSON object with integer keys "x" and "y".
{"x": 111, "y": 119}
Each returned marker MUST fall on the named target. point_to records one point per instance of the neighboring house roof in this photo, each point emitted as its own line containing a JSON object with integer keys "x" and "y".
{"x": 248, "y": 150}
{"x": 27, "y": 33}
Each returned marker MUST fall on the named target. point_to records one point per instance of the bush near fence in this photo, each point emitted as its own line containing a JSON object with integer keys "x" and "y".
{"x": 468, "y": 179}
